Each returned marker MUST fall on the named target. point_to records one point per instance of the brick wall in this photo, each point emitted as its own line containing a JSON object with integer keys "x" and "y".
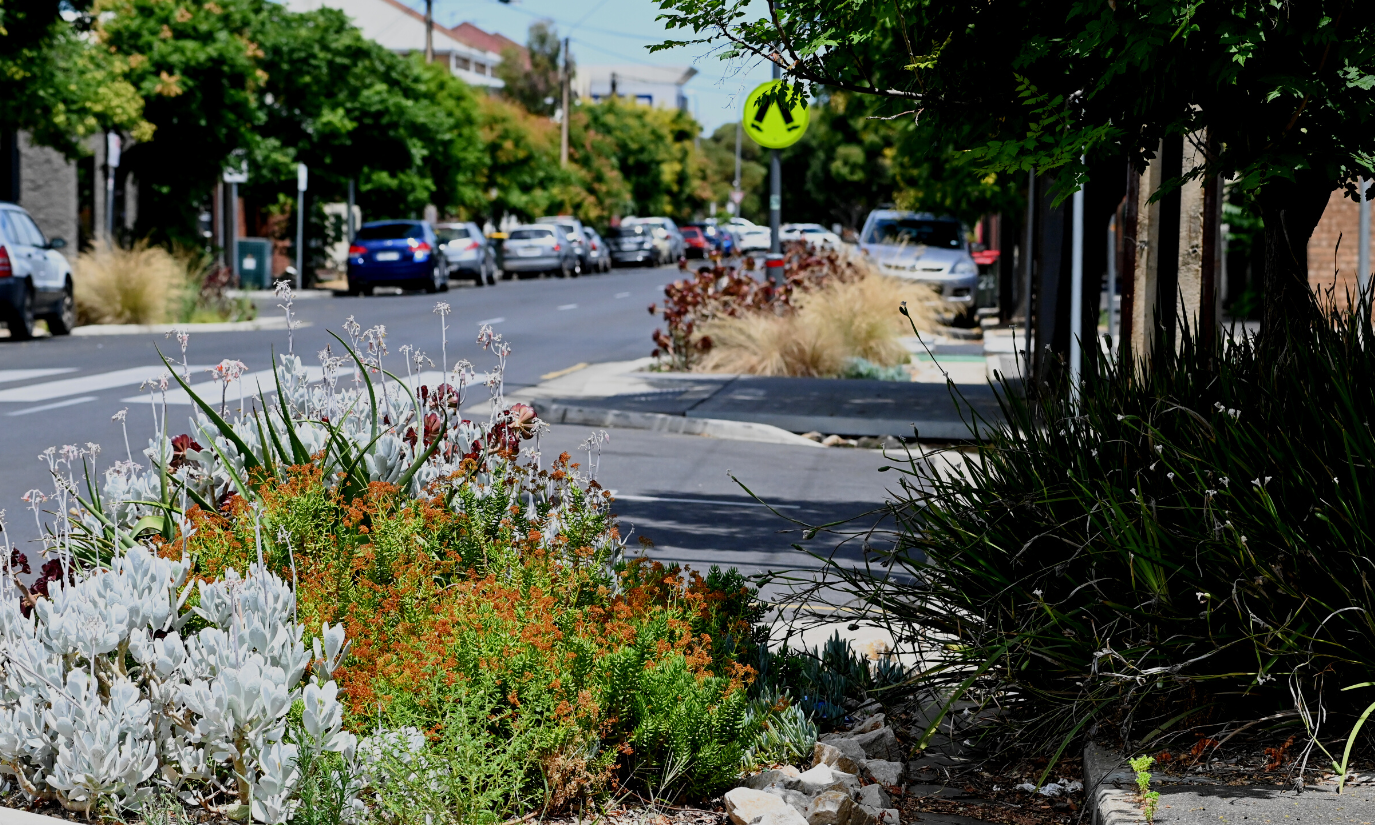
{"x": 1331, "y": 264}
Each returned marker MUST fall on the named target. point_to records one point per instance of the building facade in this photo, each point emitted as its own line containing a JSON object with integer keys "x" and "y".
{"x": 657, "y": 86}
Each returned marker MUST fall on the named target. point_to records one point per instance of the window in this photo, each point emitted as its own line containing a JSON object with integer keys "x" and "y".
{"x": 391, "y": 231}
{"x": 26, "y": 230}
{"x": 463, "y": 63}
{"x": 452, "y": 233}
{"x": 530, "y": 234}
{"x": 647, "y": 100}
{"x": 480, "y": 68}
{"x": 628, "y": 231}
{"x": 914, "y": 231}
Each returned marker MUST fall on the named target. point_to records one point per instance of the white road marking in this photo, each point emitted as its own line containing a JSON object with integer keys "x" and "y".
{"x": 210, "y": 391}
{"x": 717, "y": 502}
{"x": 622, "y": 294}
{"x": 69, "y": 402}
{"x": 84, "y": 384}
{"x": 568, "y": 306}
{"x": 9, "y": 376}
{"x": 491, "y": 321}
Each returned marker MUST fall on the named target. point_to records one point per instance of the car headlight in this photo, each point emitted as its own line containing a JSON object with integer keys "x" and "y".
{"x": 964, "y": 268}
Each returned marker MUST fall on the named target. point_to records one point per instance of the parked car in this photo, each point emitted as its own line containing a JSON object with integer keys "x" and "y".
{"x": 812, "y": 233}
{"x": 405, "y": 254}
{"x": 469, "y": 253}
{"x": 752, "y": 238}
{"x": 597, "y": 249}
{"x": 727, "y": 242}
{"x": 35, "y": 279}
{"x": 922, "y": 247}
{"x": 633, "y": 244}
{"x": 539, "y": 248}
{"x": 696, "y": 244}
{"x": 572, "y": 227}
{"x": 667, "y": 238}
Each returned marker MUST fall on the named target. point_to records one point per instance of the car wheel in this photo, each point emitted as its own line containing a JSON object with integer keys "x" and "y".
{"x": 63, "y": 321}
{"x": 432, "y": 282}
{"x": 20, "y": 318}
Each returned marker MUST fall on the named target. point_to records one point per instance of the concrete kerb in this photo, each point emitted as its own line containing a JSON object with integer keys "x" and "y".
{"x": 1105, "y": 777}
{"x": 658, "y": 422}
{"x": 14, "y": 816}
{"x": 269, "y": 323}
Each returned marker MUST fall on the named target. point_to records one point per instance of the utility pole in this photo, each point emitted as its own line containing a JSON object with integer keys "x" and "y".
{"x": 563, "y": 121}
{"x": 775, "y": 191}
{"x": 301, "y": 174}
{"x": 429, "y": 31}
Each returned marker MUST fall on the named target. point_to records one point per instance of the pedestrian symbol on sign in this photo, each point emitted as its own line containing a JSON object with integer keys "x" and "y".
{"x": 780, "y": 123}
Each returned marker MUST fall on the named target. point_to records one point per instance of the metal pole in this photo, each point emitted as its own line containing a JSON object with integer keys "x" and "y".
{"x": 300, "y": 222}
{"x": 1076, "y": 296}
{"x": 112, "y": 147}
{"x": 775, "y": 192}
{"x": 234, "y": 231}
{"x": 1363, "y": 261}
{"x": 563, "y": 124}
{"x": 1026, "y": 253}
{"x": 738, "y": 130}
{"x": 1112, "y": 282}
{"x": 350, "y": 215}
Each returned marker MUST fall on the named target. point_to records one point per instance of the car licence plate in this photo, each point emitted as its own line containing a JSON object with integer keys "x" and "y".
{"x": 529, "y": 250}
{"x": 388, "y": 256}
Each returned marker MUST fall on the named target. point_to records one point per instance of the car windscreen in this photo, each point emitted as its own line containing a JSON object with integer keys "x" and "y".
{"x": 628, "y": 231}
{"x": 914, "y": 231}
{"x": 530, "y": 234}
{"x": 691, "y": 232}
{"x": 391, "y": 231}
{"x": 452, "y": 233}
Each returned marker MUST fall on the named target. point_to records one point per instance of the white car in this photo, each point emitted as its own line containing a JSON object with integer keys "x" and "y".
{"x": 35, "y": 279}
{"x": 928, "y": 249}
{"x": 752, "y": 238}
{"x": 812, "y": 233}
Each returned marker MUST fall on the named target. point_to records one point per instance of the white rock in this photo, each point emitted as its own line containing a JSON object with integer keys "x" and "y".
{"x": 826, "y": 753}
{"x": 746, "y": 806}
{"x": 797, "y": 799}
{"x": 775, "y": 777}
{"x": 890, "y": 816}
{"x": 861, "y": 815}
{"x": 830, "y": 808}
{"x": 817, "y": 779}
{"x": 883, "y": 772}
{"x": 874, "y": 796}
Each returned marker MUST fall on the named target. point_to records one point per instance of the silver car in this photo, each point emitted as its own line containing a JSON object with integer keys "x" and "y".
{"x": 597, "y": 250}
{"x": 469, "y": 252}
{"x": 538, "y": 248}
{"x": 572, "y": 227}
{"x": 921, "y": 247}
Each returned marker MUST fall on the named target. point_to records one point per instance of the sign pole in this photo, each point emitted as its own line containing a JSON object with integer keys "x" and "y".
{"x": 775, "y": 193}
{"x": 301, "y": 222}
{"x": 112, "y": 150}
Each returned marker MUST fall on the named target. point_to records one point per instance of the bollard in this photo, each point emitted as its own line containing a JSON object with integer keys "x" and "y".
{"x": 773, "y": 268}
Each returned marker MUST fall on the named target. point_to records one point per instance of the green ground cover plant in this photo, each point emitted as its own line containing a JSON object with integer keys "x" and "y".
{"x": 1185, "y": 545}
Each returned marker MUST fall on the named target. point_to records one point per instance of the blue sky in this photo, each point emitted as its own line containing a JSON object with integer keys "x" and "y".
{"x": 617, "y": 32}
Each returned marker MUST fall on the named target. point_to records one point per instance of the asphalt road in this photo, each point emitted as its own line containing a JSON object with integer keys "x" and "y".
{"x": 672, "y": 489}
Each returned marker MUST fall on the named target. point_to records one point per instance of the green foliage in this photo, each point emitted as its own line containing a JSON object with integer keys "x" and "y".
{"x": 781, "y": 737}
{"x": 58, "y": 85}
{"x": 1190, "y": 528}
{"x": 864, "y": 368}
{"x": 821, "y": 682}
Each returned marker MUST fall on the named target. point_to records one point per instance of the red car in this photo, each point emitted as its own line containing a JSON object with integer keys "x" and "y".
{"x": 695, "y": 243}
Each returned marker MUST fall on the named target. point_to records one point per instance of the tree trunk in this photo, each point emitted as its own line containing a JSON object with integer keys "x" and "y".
{"x": 1290, "y": 209}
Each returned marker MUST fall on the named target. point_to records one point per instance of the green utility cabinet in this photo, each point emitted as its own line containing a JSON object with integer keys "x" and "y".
{"x": 253, "y": 263}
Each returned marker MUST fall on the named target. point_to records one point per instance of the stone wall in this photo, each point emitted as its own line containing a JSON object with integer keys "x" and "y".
{"x": 47, "y": 189}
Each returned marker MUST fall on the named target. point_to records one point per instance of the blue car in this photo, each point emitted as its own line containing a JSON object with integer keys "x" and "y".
{"x": 405, "y": 254}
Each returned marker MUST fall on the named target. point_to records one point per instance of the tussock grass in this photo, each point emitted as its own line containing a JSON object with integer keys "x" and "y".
{"x": 840, "y": 321}
{"x": 140, "y": 285}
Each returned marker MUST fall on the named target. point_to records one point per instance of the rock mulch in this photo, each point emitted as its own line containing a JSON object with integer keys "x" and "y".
{"x": 853, "y": 780}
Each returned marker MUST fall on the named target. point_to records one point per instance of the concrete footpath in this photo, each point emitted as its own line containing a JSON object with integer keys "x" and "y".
{"x": 1111, "y": 798}
{"x": 627, "y": 394}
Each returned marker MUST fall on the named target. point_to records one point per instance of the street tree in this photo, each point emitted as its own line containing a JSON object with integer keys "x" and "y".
{"x": 58, "y": 85}
{"x": 533, "y": 81}
{"x": 1282, "y": 91}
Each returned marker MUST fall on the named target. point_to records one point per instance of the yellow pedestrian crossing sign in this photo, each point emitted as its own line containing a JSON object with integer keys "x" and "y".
{"x": 777, "y": 125}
